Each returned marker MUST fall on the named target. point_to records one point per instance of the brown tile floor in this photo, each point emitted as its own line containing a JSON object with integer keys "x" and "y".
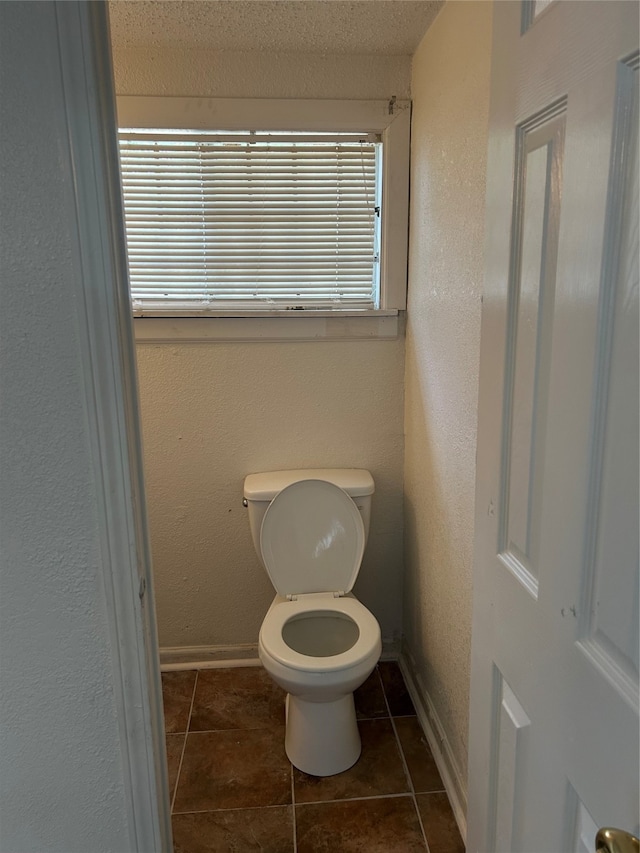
{"x": 233, "y": 789}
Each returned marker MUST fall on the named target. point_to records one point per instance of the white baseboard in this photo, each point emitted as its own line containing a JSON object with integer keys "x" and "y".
{"x": 390, "y": 649}
{"x": 207, "y": 657}
{"x": 217, "y": 657}
{"x": 453, "y": 780}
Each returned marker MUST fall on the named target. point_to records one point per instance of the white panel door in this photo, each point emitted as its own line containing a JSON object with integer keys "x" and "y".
{"x": 554, "y": 696}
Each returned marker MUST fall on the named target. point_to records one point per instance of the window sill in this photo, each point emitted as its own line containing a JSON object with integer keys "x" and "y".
{"x": 322, "y": 325}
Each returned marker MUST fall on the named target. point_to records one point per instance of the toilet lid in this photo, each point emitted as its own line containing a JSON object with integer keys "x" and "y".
{"x": 312, "y": 539}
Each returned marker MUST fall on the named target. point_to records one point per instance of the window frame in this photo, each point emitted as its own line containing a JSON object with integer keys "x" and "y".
{"x": 389, "y": 118}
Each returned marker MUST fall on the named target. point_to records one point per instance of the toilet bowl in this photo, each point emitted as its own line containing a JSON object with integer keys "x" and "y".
{"x": 317, "y": 641}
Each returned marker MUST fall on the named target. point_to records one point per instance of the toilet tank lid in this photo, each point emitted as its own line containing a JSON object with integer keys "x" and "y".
{"x": 356, "y": 482}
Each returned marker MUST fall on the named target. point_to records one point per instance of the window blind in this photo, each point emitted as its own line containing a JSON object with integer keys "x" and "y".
{"x": 250, "y": 221}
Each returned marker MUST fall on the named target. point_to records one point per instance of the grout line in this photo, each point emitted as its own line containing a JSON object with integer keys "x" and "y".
{"x": 235, "y": 809}
{"x": 184, "y": 745}
{"x": 193, "y": 699}
{"x": 406, "y": 767}
{"x": 222, "y": 731}
{"x": 356, "y": 799}
{"x": 369, "y": 719}
{"x": 302, "y": 805}
{"x": 424, "y": 832}
{"x": 293, "y": 813}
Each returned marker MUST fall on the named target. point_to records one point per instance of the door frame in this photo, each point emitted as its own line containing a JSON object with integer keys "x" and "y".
{"x": 110, "y": 383}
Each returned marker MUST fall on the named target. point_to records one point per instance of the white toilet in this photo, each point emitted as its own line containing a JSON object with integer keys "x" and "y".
{"x": 317, "y": 641}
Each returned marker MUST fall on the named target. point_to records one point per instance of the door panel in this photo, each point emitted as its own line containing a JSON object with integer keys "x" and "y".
{"x": 554, "y": 697}
{"x": 536, "y": 215}
{"x": 609, "y": 624}
{"x": 511, "y": 738}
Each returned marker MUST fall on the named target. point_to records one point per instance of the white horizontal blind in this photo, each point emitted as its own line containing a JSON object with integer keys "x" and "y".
{"x": 249, "y": 221}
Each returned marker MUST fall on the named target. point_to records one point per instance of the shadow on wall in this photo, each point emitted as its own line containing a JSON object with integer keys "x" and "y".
{"x": 437, "y": 591}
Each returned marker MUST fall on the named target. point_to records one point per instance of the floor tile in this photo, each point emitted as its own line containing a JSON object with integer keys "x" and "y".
{"x": 174, "y": 753}
{"x": 378, "y": 771}
{"x": 420, "y": 761}
{"x": 269, "y": 830}
{"x": 234, "y": 769}
{"x": 242, "y": 698}
{"x": 360, "y": 826}
{"x": 440, "y": 826}
{"x": 177, "y": 693}
{"x": 400, "y": 703}
{"x": 369, "y": 699}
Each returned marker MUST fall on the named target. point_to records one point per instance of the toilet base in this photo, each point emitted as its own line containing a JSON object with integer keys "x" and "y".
{"x": 322, "y": 738}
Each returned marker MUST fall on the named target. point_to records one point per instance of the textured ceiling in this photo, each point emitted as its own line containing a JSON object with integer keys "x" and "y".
{"x": 390, "y": 27}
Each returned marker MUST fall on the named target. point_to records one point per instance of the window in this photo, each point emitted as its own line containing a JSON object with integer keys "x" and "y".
{"x": 248, "y": 221}
{"x": 245, "y": 208}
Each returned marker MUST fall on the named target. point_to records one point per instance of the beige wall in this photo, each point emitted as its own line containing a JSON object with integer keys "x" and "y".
{"x": 207, "y": 74}
{"x": 450, "y": 91}
{"x": 212, "y": 413}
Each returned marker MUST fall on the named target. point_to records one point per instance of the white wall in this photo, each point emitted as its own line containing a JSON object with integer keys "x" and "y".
{"x": 450, "y": 90}
{"x": 62, "y": 785}
{"x": 213, "y": 413}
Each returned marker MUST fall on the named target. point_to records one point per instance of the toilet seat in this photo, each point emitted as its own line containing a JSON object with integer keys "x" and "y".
{"x": 312, "y": 539}
{"x": 273, "y": 644}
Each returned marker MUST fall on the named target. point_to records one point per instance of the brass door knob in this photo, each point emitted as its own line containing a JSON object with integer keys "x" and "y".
{"x": 611, "y": 840}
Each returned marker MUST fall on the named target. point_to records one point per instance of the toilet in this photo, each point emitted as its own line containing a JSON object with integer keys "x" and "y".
{"x": 317, "y": 641}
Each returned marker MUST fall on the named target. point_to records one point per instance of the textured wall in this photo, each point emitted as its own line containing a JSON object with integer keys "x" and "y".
{"x": 450, "y": 90}
{"x": 211, "y": 413}
{"x": 196, "y": 71}
{"x": 61, "y": 786}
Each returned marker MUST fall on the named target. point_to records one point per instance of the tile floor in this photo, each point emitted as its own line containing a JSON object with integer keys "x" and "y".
{"x": 233, "y": 788}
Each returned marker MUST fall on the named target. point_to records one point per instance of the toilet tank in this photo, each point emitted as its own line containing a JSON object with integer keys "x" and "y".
{"x": 261, "y": 489}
